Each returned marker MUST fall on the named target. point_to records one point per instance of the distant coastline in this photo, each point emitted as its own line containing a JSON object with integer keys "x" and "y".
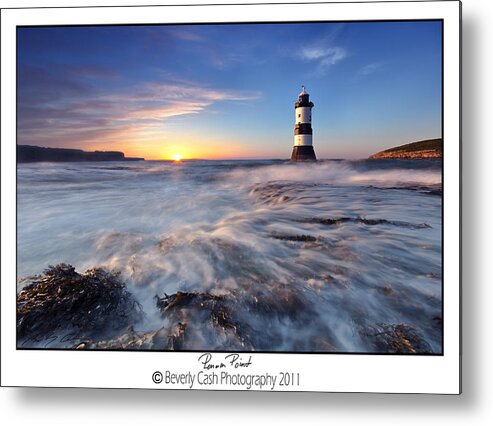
{"x": 426, "y": 149}
{"x": 33, "y": 154}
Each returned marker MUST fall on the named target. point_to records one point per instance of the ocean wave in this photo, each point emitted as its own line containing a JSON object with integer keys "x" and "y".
{"x": 356, "y": 246}
{"x": 335, "y": 173}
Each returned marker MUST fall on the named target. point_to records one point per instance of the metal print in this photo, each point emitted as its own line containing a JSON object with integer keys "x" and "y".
{"x": 217, "y": 241}
{"x": 236, "y": 187}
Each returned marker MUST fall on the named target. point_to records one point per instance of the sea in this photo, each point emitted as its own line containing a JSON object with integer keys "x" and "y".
{"x": 338, "y": 256}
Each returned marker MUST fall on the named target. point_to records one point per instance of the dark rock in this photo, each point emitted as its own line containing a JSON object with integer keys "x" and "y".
{"x": 302, "y": 238}
{"x": 328, "y": 221}
{"x": 369, "y": 222}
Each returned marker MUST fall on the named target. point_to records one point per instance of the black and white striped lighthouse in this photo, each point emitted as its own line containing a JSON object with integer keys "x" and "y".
{"x": 303, "y": 148}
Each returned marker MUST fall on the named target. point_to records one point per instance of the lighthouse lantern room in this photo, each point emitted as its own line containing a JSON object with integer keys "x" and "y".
{"x": 303, "y": 132}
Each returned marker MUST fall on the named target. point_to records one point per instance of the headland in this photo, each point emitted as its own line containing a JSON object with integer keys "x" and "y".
{"x": 426, "y": 149}
{"x": 32, "y": 154}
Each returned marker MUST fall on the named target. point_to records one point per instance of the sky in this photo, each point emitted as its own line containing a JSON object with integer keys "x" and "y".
{"x": 228, "y": 91}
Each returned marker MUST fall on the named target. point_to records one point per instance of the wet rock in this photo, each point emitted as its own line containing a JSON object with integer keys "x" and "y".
{"x": 392, "y": 222}
{"x": 71, "y": 304}
{"x": 395, "y": 338}
{"x": 205, "y": 314}
{"x": 282, "y": 303}
{"x": 289, "y": 320}
{"x": 272, "y": 193}
{"x": 369, "y": 222}
{"x": 130, "y": 340}
{"x": 301, "y": 238}
{"x": 435, "y": 190}
{"x": 329, "y": 221}
{"x": 191, "y": 321}
{"x": 234, "y": 321}
{"x": 438, "y": 321}
{"x": 334, "y": 282}
{"x": 386, "y": 290}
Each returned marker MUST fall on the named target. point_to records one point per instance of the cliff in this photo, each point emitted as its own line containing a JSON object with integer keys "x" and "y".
{"x": 30, "y": 154}
{"x": 430, "y": 148}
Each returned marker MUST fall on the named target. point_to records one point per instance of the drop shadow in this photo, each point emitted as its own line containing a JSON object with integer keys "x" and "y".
{"x": 336, "y": 402}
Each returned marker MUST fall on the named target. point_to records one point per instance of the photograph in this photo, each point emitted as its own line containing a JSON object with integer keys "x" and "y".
{"x": 269, "y": 187}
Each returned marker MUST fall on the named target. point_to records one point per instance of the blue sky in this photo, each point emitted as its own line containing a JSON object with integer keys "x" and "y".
{"x": 228, "y": 91}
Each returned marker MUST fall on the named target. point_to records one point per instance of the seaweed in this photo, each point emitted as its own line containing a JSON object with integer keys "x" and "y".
{"x": 225, "y": 322}
{"x": 79, "y": 305}
{"x": 213, "y": 313}
{"x": 188, "y": 317}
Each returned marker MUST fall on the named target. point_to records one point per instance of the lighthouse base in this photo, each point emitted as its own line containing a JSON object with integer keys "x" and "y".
{"x": 303, "y": 153}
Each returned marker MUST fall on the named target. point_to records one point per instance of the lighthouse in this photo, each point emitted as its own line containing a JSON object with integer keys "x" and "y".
{"x": 303, "y": 148}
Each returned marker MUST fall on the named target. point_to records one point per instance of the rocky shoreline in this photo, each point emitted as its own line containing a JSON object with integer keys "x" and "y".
{"x": 416, "y": 155}
{"x": 94, "y": 310}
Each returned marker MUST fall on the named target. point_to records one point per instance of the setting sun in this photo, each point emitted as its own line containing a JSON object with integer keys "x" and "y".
{"x": 177, "y": 157}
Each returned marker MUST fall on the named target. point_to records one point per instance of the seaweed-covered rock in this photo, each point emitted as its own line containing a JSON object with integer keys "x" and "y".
{"x": 273, "y": 317}
{"x": 82, "y": 305}
{"x": 190, "y": 321}
{"x": 208, "y": 315}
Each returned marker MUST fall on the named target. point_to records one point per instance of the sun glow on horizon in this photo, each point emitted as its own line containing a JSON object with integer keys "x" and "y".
{"x": 190, "y": 146}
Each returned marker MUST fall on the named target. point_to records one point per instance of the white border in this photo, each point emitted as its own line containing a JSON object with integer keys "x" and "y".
{"x": 327, "y": 373}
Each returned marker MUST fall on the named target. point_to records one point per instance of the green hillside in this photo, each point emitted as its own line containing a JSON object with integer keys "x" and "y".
{"x": 430, "y": 148}
{"x": 435, "y": 144}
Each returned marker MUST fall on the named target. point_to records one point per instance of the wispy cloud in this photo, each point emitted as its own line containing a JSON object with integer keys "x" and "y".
{"x": 162, "y": 112}
{"x": 155, "y": 37}
{"x": 62, "y": 109}
{"x": 324, "y": 56}
{"x": 370, "y": 68}
{"x": 227, "y": 57}
{"x": 190, "y": 91}
{"x": 185, "y": 34}
{"x": 323, "y": 52}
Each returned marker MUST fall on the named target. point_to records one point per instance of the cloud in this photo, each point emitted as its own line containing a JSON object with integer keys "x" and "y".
{"x": 59, "y": 108}
{"x": 191, "y": 91}
{"x": 324, "y": 52}
{"x": 173, "y": 109}
{"x": 324, "y": 57}
{"x": 158, "y": 34}
{"x": 185, "y": 34}
{"x": 370, "y": 68}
